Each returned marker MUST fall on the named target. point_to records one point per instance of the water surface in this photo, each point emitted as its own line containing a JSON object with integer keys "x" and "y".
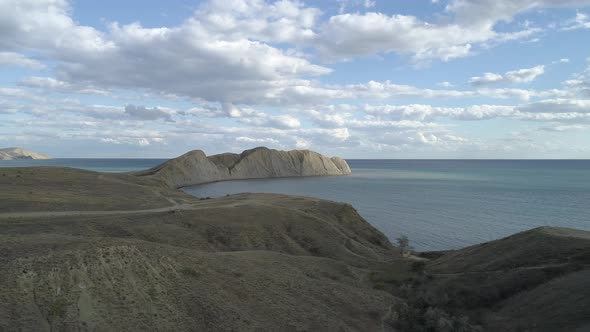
{"x": 446, "y": 204}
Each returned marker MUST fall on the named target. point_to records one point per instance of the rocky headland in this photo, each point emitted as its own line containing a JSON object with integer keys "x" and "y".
{"x": 195, "y": 167}
{"x": 19, "y": 154}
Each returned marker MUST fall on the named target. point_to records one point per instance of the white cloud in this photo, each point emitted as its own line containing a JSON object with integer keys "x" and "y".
{"x": 445, "y": 84}
{"x": 480, "y": 13}
{"x": 543, "y": 110}
{"x": 580, "y": 83}
{"x": 428, "y": 112}
{"x": 274, "y": 121}
{"x": 390, "y": 90}
{"x": 581, "y": 21}
{"x": 225, "y": 52}
{"x": 145, "y": 113}
{"x": 19, "y": 60}
{"x": 558, "y": 106}
{"x": 515, "y": 76}
{"x": 279, "y": 21}
{"x": 469, "y": 23}
{"x": 486, "y": 78}
{"x": 350, "y": 35}
{"x": 214, "y": 55}
{"x": 565, "y": 128}
{"x": 524, "y": 75}
{"x": 137, "y": 141}
{"x": 53, "y": 85}
{"x": 251, "y": 140}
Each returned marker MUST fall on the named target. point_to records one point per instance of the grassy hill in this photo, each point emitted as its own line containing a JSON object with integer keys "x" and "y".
{"x": 86, "y": 251}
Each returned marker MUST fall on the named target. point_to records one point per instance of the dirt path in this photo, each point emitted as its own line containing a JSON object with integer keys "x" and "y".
{"x": 51, "y": 214}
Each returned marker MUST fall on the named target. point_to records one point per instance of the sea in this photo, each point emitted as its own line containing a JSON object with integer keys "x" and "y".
{"x": 437, "y": 204}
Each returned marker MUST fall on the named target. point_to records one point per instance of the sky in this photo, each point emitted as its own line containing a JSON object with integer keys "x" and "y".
{"x": 354, "y": 78}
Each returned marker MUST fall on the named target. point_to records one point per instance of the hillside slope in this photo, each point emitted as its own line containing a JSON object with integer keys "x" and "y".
{"x": 19, "y": 153}
{"x": 246, "y": 262}
{"x": 538, "y": 280}
{"x": 195, "y": 167}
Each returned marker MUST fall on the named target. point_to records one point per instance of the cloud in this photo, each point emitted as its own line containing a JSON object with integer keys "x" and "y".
{"x": 468, "y": 24}
{"x": 558, "y": 106}
{"x": 349, "y": 35}
{"x": 144, "y": 113}
{"x": 565, "y": 128}
{"x": 486, "y": 13}
{"x": 277, "y": 21}
{"x": 543, "y": 110}
{"x": 445, "y": 84}
{"x": 428, "y": 112}
{"x": 187, "y": 61}
{"x": 247, "y": 115}
{"x": 524, "y": 75}
{"x": 19, "y": 60}
{"x": 137, "y": 141}
{"x": 53, "y": 85}
{"x": 390, "y": 90}
{"x": 515, "y": 76}
{"x": 580, "y": 83}
{"x": 46, "y": 26}
{"x": 227, "y": 52}
{"x": 250, "y": 140}
{"x": 581, "y": 21}
{"x": 274, "y": 121}
{"x": 214, "y": 55}
{"x": 487, "y": 78}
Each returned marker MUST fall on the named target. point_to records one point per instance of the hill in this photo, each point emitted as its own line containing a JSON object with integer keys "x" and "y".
{"x": 195, "y": 167}
{"x": 538, "y": 280}
{"x": 19, "y": 153}
{"x": 119, "y": 252}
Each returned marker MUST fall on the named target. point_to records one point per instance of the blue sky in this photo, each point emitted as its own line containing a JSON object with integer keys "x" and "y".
{"x": 355, "y": 78}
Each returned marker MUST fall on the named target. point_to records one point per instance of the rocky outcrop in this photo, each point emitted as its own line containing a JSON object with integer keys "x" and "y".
{"x": 18, "y": 153}
{"x": 195, "y": 167}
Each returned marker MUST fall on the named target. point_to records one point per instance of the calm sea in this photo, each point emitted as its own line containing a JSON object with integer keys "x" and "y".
{"x": 438, "y": 204}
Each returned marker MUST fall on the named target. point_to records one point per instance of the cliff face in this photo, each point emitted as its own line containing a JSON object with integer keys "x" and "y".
{"x": 18, "y": 153}
{"x": 195, "y": 167}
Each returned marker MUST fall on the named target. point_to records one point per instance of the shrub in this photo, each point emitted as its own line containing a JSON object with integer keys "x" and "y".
{"x": 187, "y": 271}
{"x": 404, "y": 245}
{"x": 418, "y": 266}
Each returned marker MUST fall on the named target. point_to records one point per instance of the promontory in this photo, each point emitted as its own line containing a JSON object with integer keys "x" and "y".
{"x": 20, "y": 153}
{"x": 195, "y": 167}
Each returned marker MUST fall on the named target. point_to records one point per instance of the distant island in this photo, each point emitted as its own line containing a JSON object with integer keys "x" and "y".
{"x": 87, "y": 251}
{"x": 19, "y": 154}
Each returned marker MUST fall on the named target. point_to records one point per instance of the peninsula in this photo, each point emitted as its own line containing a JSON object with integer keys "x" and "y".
{"x": 91, "y": 251}
{"x": 19, "y": 153}
{"x": 195, "y": 167}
